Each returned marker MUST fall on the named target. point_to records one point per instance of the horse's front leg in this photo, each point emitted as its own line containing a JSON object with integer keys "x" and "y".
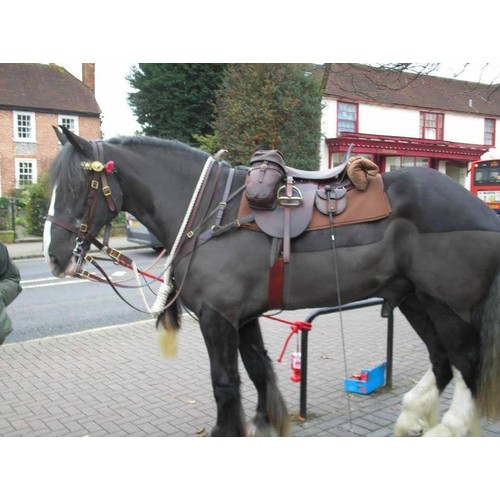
{"x": 221, "y": 339}
{"x": 271, "y": 418}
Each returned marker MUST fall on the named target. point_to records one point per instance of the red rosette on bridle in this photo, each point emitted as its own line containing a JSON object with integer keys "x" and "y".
{"x": 110, "y": 166}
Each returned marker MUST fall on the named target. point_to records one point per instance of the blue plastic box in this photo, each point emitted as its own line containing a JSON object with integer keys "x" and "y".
{"x": 375, "y": 379}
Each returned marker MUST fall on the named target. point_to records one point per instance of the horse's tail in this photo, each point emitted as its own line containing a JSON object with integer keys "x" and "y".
{"x": 167, "y": 327}
{"x": 488, "y": 391}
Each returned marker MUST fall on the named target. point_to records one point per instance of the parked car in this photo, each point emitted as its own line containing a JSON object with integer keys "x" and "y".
{"x": 138, "y": 233}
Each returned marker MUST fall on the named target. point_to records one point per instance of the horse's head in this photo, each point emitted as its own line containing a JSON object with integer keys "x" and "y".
{"x": 86, "y": 196}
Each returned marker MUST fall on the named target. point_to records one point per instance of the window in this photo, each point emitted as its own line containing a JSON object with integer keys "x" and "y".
{"x": 338, "y": 158}
{"x": 70, "y": 122}
{"x": 489, "y": 131}
{"x": 24, "y": 127}
{"x": 347, "y": 117}
{"x": 25, "y": 172}
{"x": 396, "y": 162}
{"x": 431, "y": 126}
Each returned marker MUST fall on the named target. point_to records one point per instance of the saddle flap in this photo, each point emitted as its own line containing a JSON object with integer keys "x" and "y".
{"x": 271, "y": 222}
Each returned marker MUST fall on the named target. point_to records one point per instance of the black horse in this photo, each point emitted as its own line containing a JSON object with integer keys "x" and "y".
{"x": 436, "y": 257}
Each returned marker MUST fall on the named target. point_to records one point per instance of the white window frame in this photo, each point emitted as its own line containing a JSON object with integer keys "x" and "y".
{"x": 76, "y": 127}
{"x": 34, "y": 171}
{"x": 347, "y": 117}
{"x": 32, "y": 137}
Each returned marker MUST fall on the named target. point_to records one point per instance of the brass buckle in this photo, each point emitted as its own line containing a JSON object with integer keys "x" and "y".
{"x": 84, "y": 228}
{"x": 94, "y": 184}
{"x": 106, "y": 190}
{"x": 114, "y": 254}
{"x": 290, "y": 201}
{"x": 84, "y": 274}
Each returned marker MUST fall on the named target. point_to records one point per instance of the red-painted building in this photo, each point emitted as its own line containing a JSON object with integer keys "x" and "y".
{"x": 402, "y": 120}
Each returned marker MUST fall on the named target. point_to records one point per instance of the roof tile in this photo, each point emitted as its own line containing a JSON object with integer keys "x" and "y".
{"x": 358, "y": 83}
{"x": 45, "y": 87}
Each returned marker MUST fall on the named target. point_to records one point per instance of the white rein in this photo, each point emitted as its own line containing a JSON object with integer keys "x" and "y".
{"x": 167, "y": 286}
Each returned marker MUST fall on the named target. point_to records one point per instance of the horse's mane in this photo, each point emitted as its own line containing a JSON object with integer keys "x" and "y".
{"x": 144, "y": 141}
{"x": 67, "y": 173}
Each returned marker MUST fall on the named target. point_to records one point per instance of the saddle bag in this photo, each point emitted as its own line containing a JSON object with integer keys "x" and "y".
{"x": 331, "y": 201}
{"x": 266, "y": 174}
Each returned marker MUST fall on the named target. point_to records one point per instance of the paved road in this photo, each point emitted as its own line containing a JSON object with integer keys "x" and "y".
{"x": 51, "y": 306}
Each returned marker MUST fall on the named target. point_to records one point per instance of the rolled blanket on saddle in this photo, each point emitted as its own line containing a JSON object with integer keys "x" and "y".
{"x": 358, "y": 170}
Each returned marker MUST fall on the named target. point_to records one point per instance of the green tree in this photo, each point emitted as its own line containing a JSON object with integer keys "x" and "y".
{"x": 270, "y": 106}
{"x": 175, "y": 101}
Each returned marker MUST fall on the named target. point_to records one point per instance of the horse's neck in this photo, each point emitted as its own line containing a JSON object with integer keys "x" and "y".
{"x": 158, "y": 195}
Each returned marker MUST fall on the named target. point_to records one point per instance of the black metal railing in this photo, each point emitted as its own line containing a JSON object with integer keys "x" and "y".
{"x": 329, "y": 310}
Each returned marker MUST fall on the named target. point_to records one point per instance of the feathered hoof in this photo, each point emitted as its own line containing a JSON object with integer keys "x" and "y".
{"x": 266, "y": 430}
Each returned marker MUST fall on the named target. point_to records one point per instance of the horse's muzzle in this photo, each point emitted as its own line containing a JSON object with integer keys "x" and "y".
{"x": 60, "y": 271}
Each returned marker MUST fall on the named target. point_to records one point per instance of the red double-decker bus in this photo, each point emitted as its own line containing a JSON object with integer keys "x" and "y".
{"x": 485, "y": 182}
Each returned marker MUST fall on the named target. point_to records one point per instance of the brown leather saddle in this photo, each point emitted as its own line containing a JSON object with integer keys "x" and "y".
{"x": 283, "y": 198}
{"x": 285, "y": 201}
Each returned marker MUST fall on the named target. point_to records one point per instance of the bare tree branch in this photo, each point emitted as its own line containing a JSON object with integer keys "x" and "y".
{"x": 380, "y": 77}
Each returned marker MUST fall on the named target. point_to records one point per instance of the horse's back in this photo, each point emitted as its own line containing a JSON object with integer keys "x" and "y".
{"x": 437, "y": 203}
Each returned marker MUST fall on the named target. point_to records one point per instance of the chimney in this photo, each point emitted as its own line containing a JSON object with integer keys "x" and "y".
{"x": 88, "y": 75}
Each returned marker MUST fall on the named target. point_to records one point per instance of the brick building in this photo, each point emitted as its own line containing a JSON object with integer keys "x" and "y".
{"x": 33, "y": 99}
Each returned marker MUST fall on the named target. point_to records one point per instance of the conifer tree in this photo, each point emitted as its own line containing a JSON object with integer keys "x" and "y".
{"x": 270, "y": 106}
{"x": 175, "y": 101}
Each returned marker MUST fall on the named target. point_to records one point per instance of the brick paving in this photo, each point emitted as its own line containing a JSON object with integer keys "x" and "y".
{"x": 114, "y": 382}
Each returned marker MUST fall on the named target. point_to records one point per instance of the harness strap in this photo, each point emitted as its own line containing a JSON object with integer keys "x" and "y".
{"x": 223, "y": 203}
{"x": 90, "y": 207}
{"x": 276, "y": 280}
{"x": 107, "y": 193}
{"x": 287, "y": 221}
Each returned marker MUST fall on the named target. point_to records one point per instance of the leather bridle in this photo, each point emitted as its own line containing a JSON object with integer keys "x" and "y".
{"x": 83, "y": 230}
{"x": 98, "y": 183}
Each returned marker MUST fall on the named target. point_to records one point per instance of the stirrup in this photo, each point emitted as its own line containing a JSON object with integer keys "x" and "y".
{"x": 290, "y": 201}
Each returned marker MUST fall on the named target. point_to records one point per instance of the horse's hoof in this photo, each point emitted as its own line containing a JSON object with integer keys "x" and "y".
{"x": 262, "y": 430}
{"x": 416, "y": 432}
{"x": 440, "y": 430}
{"x": 409, "y": 427}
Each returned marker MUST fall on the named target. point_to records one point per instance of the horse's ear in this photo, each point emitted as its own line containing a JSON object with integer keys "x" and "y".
{"x": 60, "y": 135}
{"x": 82, "y": 145}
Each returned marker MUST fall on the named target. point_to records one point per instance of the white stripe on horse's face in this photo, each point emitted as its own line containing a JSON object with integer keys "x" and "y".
{"x": 47, "y": 228}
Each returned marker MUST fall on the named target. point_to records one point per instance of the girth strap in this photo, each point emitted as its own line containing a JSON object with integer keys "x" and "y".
{"x": 276, "y": 279}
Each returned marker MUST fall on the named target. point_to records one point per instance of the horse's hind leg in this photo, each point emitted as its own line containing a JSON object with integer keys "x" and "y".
{"x": 221, "y": 339}
{"x": 271, "y": 417}
{"x": 461, "y": 342}
{"x": 421, "y": 405}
